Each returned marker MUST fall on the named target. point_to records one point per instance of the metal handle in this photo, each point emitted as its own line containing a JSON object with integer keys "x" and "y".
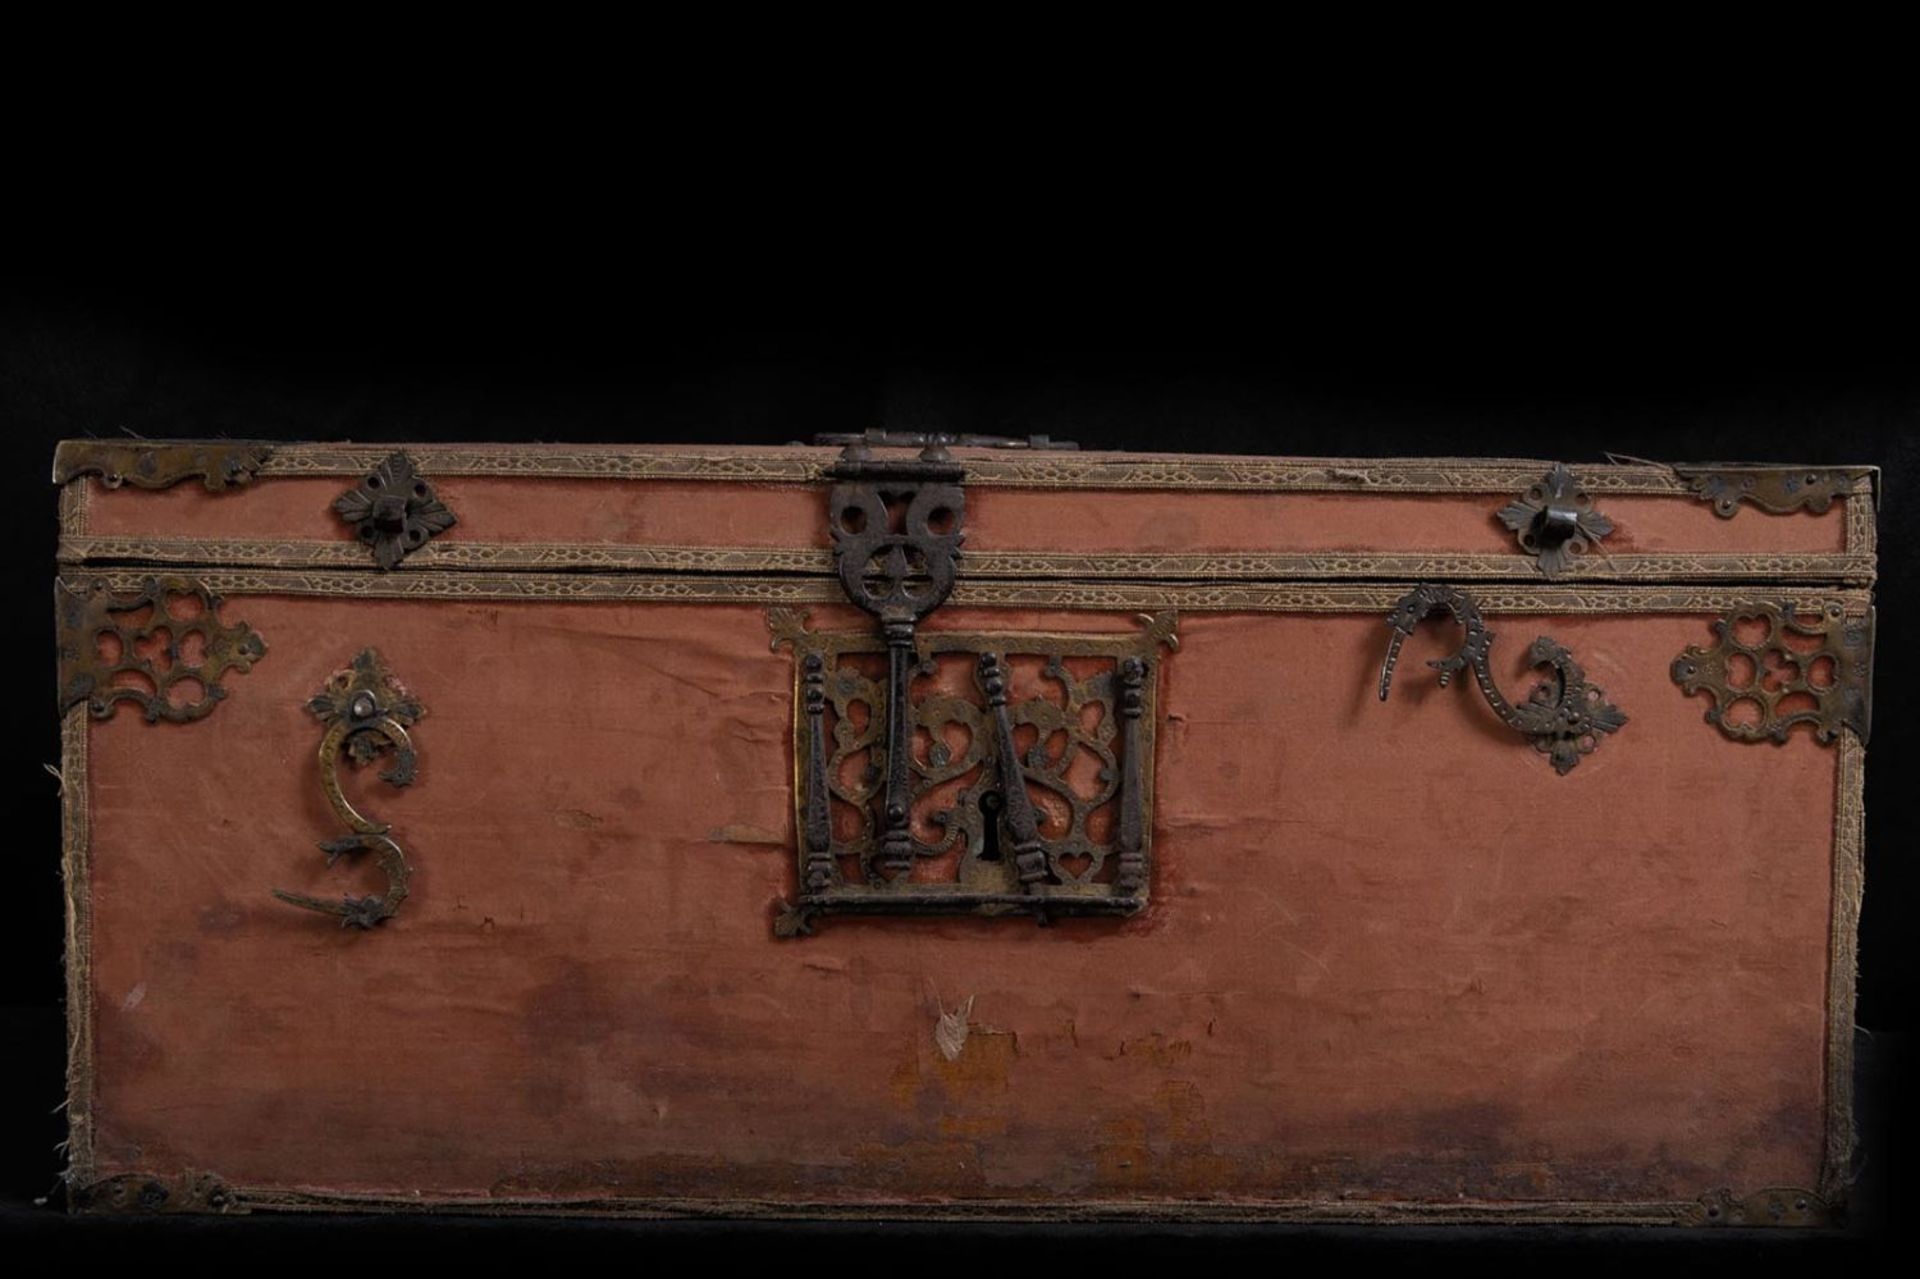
{"x": 1564, "y": 719}
{"x": 367, "y": 713}
{"x": 1555, "y": 521}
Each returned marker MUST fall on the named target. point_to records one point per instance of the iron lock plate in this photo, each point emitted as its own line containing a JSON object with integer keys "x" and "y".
{"x": 945, "y": 772}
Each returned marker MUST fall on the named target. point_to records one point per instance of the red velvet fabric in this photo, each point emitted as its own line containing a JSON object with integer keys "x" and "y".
{"x": 697, "y": 513}
{"x": 1390, "y": 955}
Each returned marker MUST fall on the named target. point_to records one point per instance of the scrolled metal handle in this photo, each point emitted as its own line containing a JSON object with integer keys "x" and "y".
{"x": 1564, "y": 719}
{"x": 367, "y": 713}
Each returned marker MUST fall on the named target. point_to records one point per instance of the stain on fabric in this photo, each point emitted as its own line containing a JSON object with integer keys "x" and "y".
{"x": 982, "y": 1069}
{"x": 1156, "y": 1049}
{"x": 221, "y": 917}
{"x": 740, "y": 833}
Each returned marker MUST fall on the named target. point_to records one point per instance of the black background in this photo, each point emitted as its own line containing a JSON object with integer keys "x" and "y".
{"x": 1697, "y": 344}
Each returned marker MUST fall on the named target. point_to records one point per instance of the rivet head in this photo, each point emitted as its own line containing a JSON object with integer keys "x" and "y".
{"x": 364, "y": 705}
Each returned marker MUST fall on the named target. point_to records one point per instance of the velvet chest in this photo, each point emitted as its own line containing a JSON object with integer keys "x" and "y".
{"x": 940, "y": 827}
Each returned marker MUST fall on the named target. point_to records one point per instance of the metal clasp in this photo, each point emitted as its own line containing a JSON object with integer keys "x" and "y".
{"x": 1074, "y": 842}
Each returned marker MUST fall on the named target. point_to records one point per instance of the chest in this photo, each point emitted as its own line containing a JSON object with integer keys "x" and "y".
{"x": 932, "y": 828}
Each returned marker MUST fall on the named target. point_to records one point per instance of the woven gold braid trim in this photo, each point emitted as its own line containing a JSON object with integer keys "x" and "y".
{"x": 1849, "y": 885}
{"x": 1329, "y": 597}
{"x": 76, "y": 873}
{"x": 1211, "y": 566}
{"x": 1027, "y": 470}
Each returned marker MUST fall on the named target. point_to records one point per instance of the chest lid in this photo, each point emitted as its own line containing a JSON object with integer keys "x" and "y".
{"x": 1034, "y": 509}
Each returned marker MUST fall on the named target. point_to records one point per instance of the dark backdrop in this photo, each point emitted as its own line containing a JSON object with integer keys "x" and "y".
{"x": 1356, "y": 353}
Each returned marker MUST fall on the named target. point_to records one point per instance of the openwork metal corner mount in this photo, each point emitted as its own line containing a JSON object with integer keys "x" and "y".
{"x": 1778, "y": 490}
{"x": 394, "y": 510}
{"x": 988, "y": 774}
{"x": 1555, "y": 520}
{"x": 1772, "y": 669}
{"x": 159, "y": 464}
{"x": 1564, "y": 718}
{"x": 367, "y": 713}
{"x": 163, "y": 648}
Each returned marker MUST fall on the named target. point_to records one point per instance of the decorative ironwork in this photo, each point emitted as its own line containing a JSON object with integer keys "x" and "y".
{"x": 1779, "y": 490}
{"x": 816, "y": 867}
{"x": 367, "y": 713}
{"x": 1029, "y": 860}
{"x": 1028, "y": 775}
{"x": 394, "y": 510}
{"x": 879, "y": 439}
{"x": 1555, "y": 521}
{"x": 1775, "y": 1206}
{"x": 159, "y": 464}
{"x": 1772, "y": 669}
{"x": 163, "y": 647}
{"x": 896, "y": 536}
{"x": 1564, "y": 718}
{"x": 1131, "y": 839}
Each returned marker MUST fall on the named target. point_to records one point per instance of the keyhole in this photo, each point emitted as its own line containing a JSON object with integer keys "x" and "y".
{"x": 990, "y": 840}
